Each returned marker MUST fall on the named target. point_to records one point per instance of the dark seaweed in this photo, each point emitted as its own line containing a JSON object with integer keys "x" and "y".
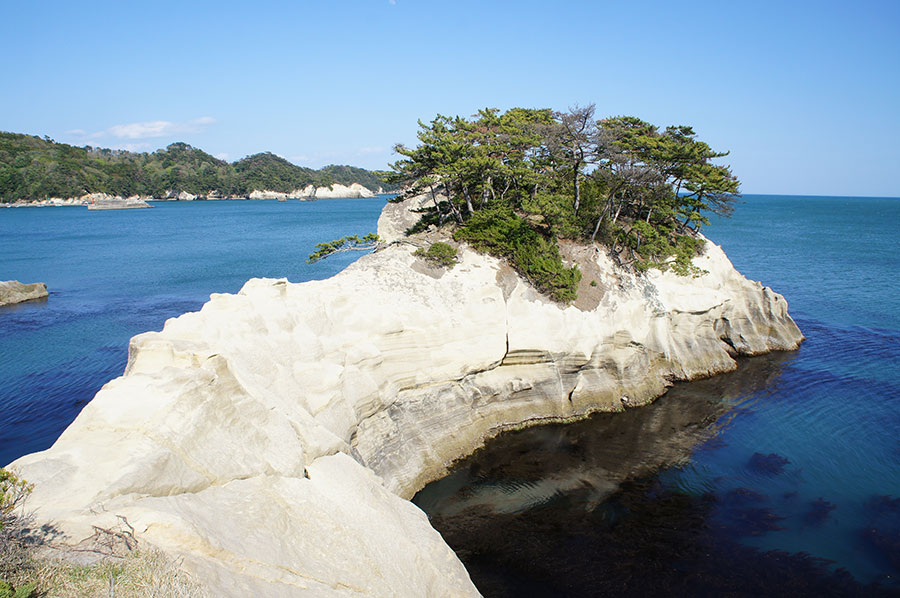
{"x": 771, "y": 464}
{"x": 819, "y": 511}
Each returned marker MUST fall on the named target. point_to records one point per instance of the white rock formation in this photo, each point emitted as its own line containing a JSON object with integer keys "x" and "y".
{"x": 13, "y": 291}
{"x": 271, "y": 438}
{"x": 308, "y": 192}
{"x": 256, "y": 194}
{"x": 102, "y": 201}
{"x": 338, "y": 191}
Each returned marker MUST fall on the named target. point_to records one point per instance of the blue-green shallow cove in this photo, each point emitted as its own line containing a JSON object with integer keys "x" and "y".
{"x": 114, "y": 274}
{"x": 781, "y": 478}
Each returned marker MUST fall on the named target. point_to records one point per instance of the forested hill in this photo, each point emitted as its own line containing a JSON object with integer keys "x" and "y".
{"x": 37, "y": 168}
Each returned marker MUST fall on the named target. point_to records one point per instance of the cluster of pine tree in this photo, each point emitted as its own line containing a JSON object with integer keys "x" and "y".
{"x": 38, "y": 168}
{"x": 513, "y": 183}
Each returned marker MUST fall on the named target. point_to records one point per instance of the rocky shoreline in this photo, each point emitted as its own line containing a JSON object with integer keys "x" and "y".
{"x": 310, "y": 192}
{"x": 271, "y": 439}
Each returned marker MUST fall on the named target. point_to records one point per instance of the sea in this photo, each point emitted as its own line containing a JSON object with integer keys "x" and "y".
{"x": 782, "y": 477}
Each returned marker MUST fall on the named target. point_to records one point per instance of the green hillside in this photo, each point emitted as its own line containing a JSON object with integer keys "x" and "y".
{"x": 36, "y": 168}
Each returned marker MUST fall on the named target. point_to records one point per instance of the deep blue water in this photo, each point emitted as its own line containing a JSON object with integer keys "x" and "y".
{"x": 793, "y": 458}
{"x": 752, "y": 477}
{"x": 114, "y": 274}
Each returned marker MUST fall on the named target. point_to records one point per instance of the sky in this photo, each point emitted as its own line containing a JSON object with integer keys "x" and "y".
{"x": 804, "y": 94}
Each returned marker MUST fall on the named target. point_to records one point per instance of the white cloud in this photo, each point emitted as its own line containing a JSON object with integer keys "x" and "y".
{"x": 222, "y": 156}
{"x": 154, "y": 128}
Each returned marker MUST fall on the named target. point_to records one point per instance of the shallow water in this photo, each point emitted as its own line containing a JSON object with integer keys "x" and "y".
{"x": 114, "y": 274}
{"x": 781, "y": 477}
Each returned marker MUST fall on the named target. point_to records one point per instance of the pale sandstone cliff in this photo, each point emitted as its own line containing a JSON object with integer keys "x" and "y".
{"x": 271, "y": 438}
{"x": 337, "y": 190}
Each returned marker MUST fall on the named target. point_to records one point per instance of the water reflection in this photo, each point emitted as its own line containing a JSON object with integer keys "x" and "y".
{"x": 578, "y": 510}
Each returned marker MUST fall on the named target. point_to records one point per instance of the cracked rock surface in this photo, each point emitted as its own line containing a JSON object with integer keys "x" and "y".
{"x": 272, "y": 438}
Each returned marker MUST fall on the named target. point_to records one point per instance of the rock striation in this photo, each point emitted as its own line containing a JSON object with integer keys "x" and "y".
{"x": 271, "y": 438}
{"x": 13, "y": 291}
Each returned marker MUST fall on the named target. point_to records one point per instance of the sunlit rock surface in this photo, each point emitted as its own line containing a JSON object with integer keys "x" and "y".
{"x": 272, "y": 438}
{"x": 13, "y": 291}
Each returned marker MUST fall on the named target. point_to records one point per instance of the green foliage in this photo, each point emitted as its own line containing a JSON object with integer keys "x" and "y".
{"x": 439, "y": 253}
{"x": 35, "y": 168}
{"x": 659, "y": 247}
{"x": 7, "y": 591}
{"x": 13, "y": 529}
{"x": 503, "y": 233}
{"x": 347, "y": 175}
{"x": 515, "y": 181}
{"x": 13, "y": 492}
{"x": 349, "y": 243}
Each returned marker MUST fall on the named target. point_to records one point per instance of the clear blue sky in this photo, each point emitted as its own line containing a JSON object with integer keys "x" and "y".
{"x": 806, "y": 95}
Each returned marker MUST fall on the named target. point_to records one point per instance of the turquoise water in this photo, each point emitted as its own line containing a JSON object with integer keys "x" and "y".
{"x": 792, "y": 459}
{"x": 781, "y": 478}
{"x": 114, "y": 274}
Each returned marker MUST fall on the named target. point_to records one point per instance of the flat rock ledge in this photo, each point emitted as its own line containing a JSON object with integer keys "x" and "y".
{"x": 13, "y": 291}
{"x": 272, "y": 438}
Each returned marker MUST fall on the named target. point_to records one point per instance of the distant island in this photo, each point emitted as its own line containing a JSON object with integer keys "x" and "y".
{"x": 35, "y": 168}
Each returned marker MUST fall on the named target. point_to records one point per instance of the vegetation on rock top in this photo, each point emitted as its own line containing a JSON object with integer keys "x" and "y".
{"x": 513, "y": 183}
{"x": 439, "y": 253}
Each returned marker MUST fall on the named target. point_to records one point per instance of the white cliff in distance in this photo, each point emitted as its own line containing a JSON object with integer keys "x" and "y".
{"x": 272, "y": 438}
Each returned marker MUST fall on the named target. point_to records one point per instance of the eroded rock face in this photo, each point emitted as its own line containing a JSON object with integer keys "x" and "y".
{"x": 13, "y": 291}
{"x": 272, "y": 437}
{"x": 265, "y": 194}
{"x": 338, "y": 191}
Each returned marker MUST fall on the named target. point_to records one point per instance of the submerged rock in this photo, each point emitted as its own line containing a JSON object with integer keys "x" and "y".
{"x": 271, "y": 438}
{"x": 13, "y": 291}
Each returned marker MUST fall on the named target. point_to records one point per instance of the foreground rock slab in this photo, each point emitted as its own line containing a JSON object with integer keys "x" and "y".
{"x": 271, "y": 438}
{"x": 13, "y": 291}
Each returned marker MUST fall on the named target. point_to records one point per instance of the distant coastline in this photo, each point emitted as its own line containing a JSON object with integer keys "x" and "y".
{"x": 35, "y": 169}
{"x": 309, "y": 193}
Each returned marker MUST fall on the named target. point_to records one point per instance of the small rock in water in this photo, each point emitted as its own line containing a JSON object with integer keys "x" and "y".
{"x": 13, "y": 291}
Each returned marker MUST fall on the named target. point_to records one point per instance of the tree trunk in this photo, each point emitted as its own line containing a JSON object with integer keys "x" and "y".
{"x": 453, "y": 208}
{"x": 437, "y": 206}
{"x": 577, "y": 188}
{"x": 597, "y": 227}
{"x": 468, "y": 197}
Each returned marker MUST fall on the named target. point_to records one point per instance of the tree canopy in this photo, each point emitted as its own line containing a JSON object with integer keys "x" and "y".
{"x": 514, "y": 182}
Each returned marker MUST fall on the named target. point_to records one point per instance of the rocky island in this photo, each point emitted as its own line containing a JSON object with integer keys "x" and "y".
{"x": 13, "y": 291}
{"x": 272, "y": 440}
